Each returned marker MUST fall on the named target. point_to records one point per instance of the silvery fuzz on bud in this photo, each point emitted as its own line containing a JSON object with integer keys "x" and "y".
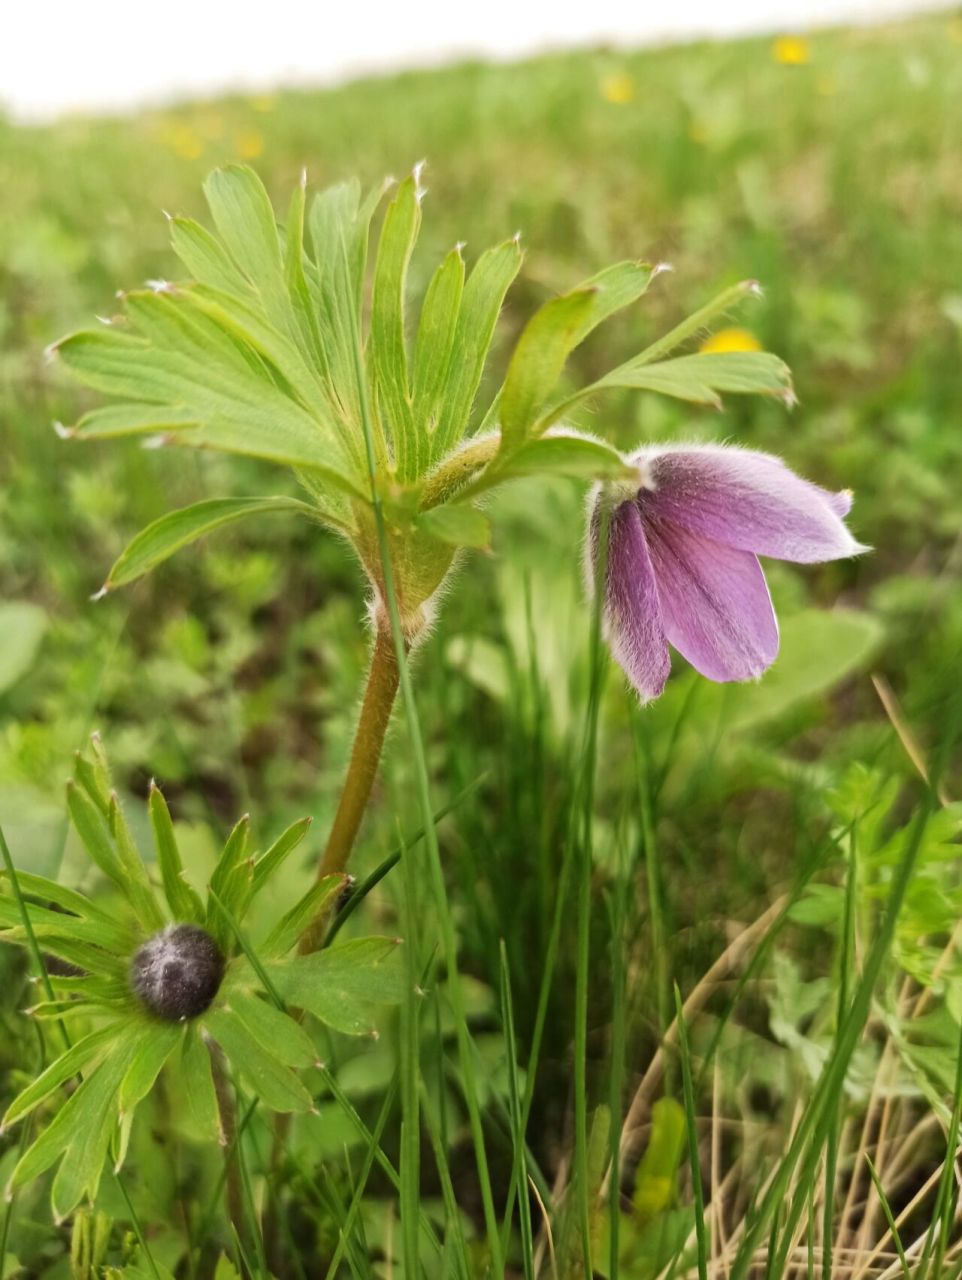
{"x": 177, "y": 972}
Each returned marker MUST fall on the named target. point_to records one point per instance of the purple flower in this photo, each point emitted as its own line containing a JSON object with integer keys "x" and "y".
{"x": 682, "y": 566}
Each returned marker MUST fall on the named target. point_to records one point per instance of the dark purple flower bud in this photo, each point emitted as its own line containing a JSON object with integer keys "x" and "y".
{"x": 177, "y": 972}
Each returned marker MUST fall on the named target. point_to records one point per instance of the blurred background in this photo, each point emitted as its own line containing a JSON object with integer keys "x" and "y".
{"x": 110, "y": 55}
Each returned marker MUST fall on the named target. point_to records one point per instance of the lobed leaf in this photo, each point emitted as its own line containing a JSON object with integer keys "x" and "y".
{"x": 387, "y": 346}
{"x": 274, "y": 857}
{"x": 287, "y": 932}
{"x": 477, "y": 316}
{"x": 275, "y": 1083}
{"x": 344, "y": 985}
{"x": 544, "y": 346}
{"x": 70, "y": 1063}
{"x": 184, "y": 903}
{"x": 275, "y": 1031}
{"x": 156, "y": 1045}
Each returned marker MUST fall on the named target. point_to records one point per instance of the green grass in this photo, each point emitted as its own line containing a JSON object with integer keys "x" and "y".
{"x": 589, "y": 855}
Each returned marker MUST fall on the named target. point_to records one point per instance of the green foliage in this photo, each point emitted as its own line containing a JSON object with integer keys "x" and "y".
{"x": 265, "y": 354}
{"x": 231, "y": 674}
{"x": 119, "y": 1061}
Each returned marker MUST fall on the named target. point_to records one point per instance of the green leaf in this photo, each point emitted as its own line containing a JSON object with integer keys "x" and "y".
{"x": 275, "y": 1031}
{"x": 93, "y": 832}
{"x": 133, "y": 419}
{"x": 54, "y": 925}
{"x": 287, "y": 932}
{"x": 274, "y": 857}
{"x": 139, "y": 888}
{"x": 239, "y": 410}
{"x": 198, "y": 1081}
{"x": 656, "y": 1184}
{"x": 344, "y": 985}
{"x": 22, "y": 627}
{"x": 544, "y": 346}
{"x": 156, "y": 1045}
{"x": 244, "y": 218}
{"x": 232, "y": 856}
{"x": 179, "y": 528}
{"x": 388, "y": 352}
{"x": 62, "y": 1069}
{"x": 205, "y": 258}
{"x": 277, "y": 1086}
{"x": 457, "y": 523}
{"x": 478, "y": 314}
{"x": 550, "y": 337}
{"x": 436, "y": 336}
{"x": 74, "y": 903}
{"x": 184, "y": 903}
{"x": 699, "y": 320}
{"x": 701, "y": 378}
{"x": 81, "y": 1131}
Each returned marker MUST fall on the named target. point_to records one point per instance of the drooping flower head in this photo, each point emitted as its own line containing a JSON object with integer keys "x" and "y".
{"x": 682, "y": 559}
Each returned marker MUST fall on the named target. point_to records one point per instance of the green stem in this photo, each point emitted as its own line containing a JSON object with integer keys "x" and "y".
{"x": 228, "y": 1124}
{"x": 457, "y": 470}
{"x": 379, "y": 695}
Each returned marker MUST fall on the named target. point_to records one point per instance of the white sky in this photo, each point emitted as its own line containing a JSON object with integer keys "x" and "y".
{"x": 111, "y": 54}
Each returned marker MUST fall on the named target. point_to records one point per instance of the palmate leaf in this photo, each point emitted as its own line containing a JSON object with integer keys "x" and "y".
{"x": 274, "y": 1030}
{"x": 480, "y": 306}
{"x": 552, "y": 334}
{"x": 80, "y": 1132}
{"x": 78, "y": 1057}
{"x": 344, "y": 986}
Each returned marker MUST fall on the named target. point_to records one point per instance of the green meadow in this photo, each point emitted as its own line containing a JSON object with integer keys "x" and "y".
{"x": 779, "y": 861}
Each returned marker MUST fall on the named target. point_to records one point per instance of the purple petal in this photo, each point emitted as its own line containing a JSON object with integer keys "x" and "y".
{"x": 747, "y": 500}
{"x": 633, "y": 623}
{"x": 715, "y": 605}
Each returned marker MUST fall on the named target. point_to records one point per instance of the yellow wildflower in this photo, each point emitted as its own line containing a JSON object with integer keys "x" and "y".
{"x": 250, "y": 144}
{"x": 264, "y": 102}
{"x": 791, "y": 51}
{"x": 183, "y": 140}
{"x": 732, "y": 339}
{"x": 618, "y": 88}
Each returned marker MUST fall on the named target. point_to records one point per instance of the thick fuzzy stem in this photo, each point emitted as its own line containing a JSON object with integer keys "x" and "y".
{"x": 382, "y": 686}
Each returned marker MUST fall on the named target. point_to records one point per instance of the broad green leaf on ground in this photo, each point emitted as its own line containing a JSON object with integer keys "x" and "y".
{"x": 22, "y": 626}
{"x": 178, "y": 529}
{"x": 816, "y": 651}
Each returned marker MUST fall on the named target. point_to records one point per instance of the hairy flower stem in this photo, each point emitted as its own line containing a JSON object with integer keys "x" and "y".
{"x": 228, "y": 1123}
{"x": 379, "y": 695}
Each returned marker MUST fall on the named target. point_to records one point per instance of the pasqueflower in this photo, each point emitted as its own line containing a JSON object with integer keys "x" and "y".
{"x": 682, "y": 558}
